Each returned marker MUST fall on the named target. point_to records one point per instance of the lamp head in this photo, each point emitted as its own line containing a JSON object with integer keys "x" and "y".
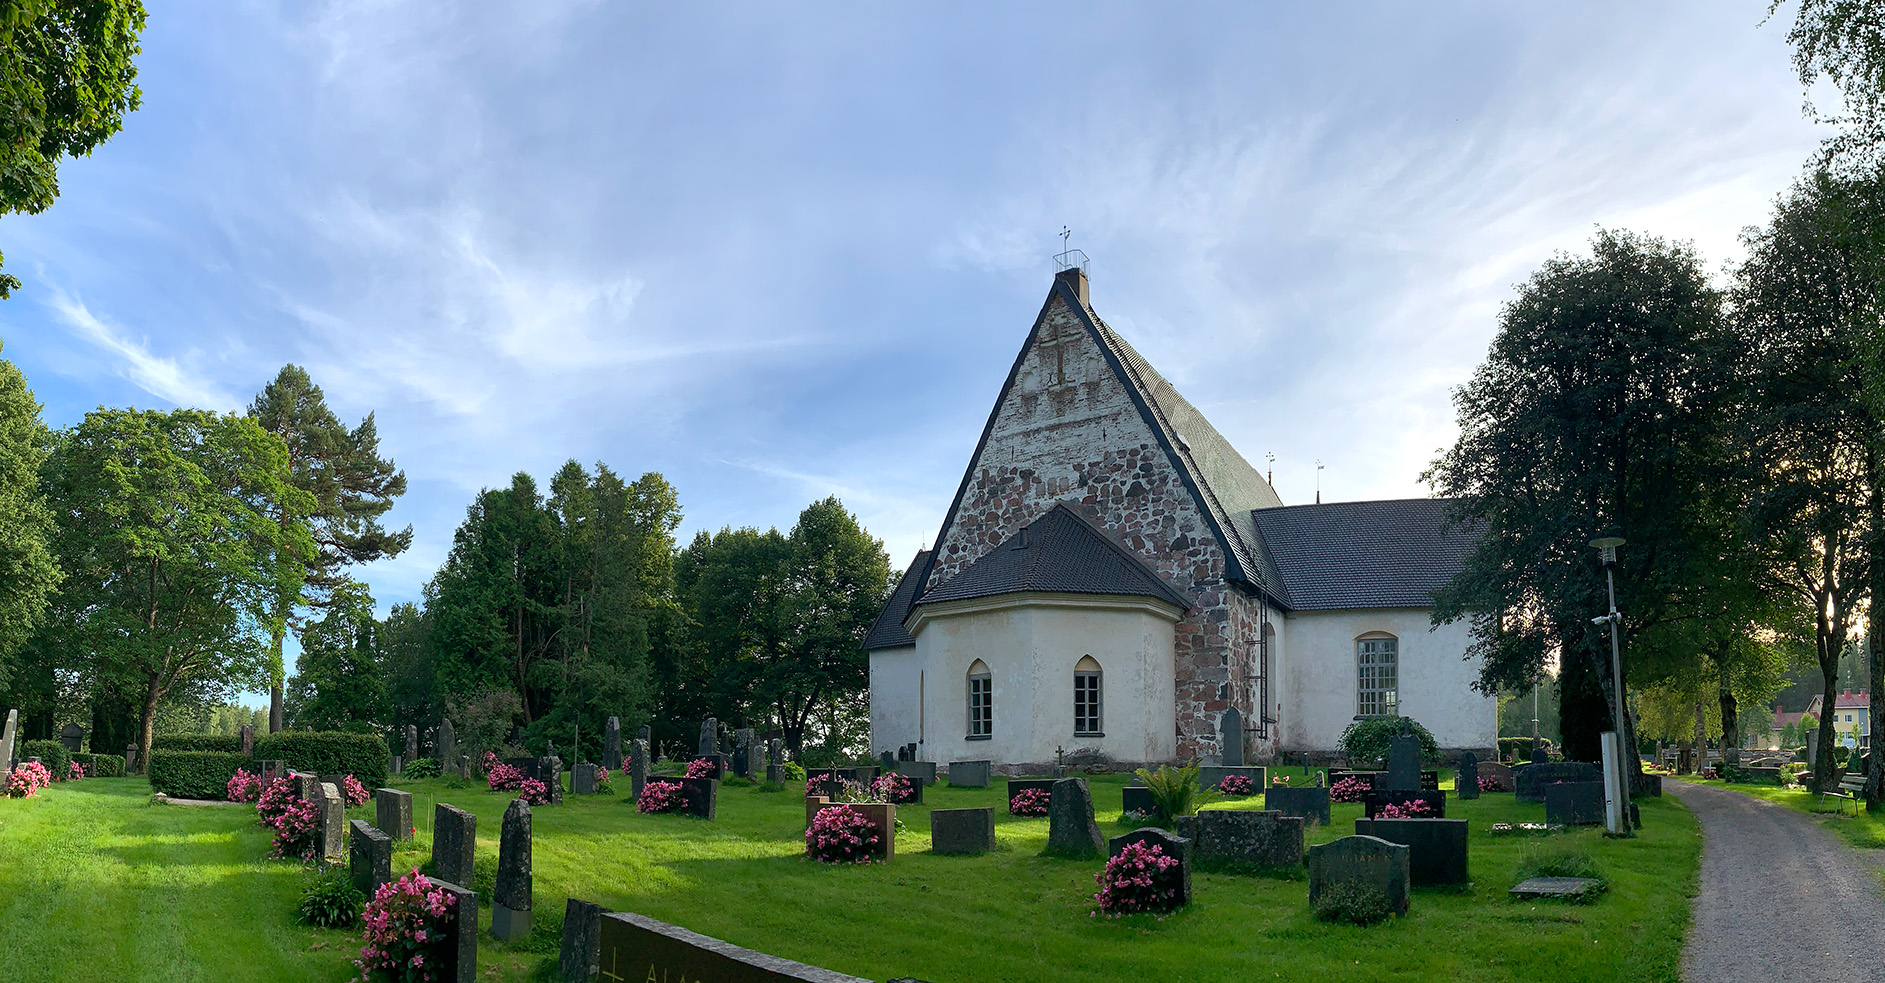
{"x": 1607, "y": 546}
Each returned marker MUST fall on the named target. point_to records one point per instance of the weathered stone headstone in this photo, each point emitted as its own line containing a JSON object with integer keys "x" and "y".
{"x": 1403, "y": 764}
{"x": 961, "y": 831}
{"x": 395, "y": 765}
{"x": 248, "y": 740}
{"x": 582, "y": 779}
{"x": 1498, "y": 771}
{"x": 453, "y": 937}
{"x": 393, "y": 810}
{"x": 1243, "y": 840}
{"x": 969, "y": 774}
{"x": 582, "y": 941}
{"x": 637, "y": 767}
{"x": 130, "y": 759}
{"x": 612, "y": 744}
{"x": 369, "y": 857}
{"x": 1137, "y": 799}
{"x": 9, "y": 738}
{"x": 1575, "y": 804}
{"x": 1466, "y": 776}
{"x": 645, "y": 734}
{"x": 550, "y": 773}
{"x": 919, "y": 772}
{"x": 709, "y": 737}
{"x": 1436, "y": 847}
{"x": 333, "y": 823}
{"x": 510, "y": 901}
{"x": 701, "y": 797}
{"x": 412, "y": 743}
{"x": 1529, "y": 783}
{"x": 454, "y": 843}
{"x": 1322, "y": 779}
{"x": 638, "y": 948}
{"x": 1364, "y": 862}
{"x": 308, "y": 788}
{"x": 1176, "y": 880}
{"x": 73, "y": 737}
{"x": 1230, "y": 732}
{"x": 888, "y": 761}
{"x": 447, "y": 747}
{"x": 775, "y": 773}
{"x": 1556, "y": 887}
{"x": 743, "y": 752}
{"x": 1538, "y": 752}
{"x": 1309, "y": 804}
{"x": 1071, "y": 831}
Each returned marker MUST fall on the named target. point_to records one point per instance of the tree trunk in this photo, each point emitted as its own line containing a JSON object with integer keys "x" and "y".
{"x": 1874, "y": 634}
{"x": 1730, "y": 722}
{"x": 151, "y": 695}
{"x": 1829, "y": 679}
{"x": 1701, "y": 737}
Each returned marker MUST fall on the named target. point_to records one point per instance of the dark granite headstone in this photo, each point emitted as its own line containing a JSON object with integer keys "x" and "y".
{"x": 369, "y": 857}
{"x": 645, "y": 734}
{"x": 1530, "y": 781}
{"x": 454, "y": 842}
{"x": 709, "y": 737}
{"x": 1176, "y": 880}
{"x": 774, "y": 771}
{"x": 582, "y": 779}
{"x": 1575, "y": 804}
{"x": 919, "y": 772}
{"x": 130, "y": 760}
{"x": 1071, "y": 831}
{"x": 73, "y": 737}
{"x": 612, "y": 744}
{"x": 453, "y": 937}
{"x": 1309, "y": 804}
{"x": 333, "y": 824}
{"x": 510, "y": 901}
{"x": 447, "y": 747}
{"x": 1244, "y": 840}
{"x": 1466, "y": 776}
{"x": 1497, "y": 770}
{"x": 743, "y": 752}
{"x": 550, "y": 773}
{"x": 635, "y": 948}
{"x": 1365, "y": 862}
{"x": 1230, "y": 732}
{"x": 1371, "y": 802}
{"x": 1538, "y": 755}
{"x": 1403, "y": 764}
{"x": 700, "y": 797}
{"x": 1137, "y": 799}
{"x": 393, "y": 810}
{"x": 961, "y": 831}
{"x": 582, "y": 941}
{"x": 1437, "y": 847}
{"x": 248, "y": 740}
{"x": 637, "y": 767}
{"x": 969, "y": 774}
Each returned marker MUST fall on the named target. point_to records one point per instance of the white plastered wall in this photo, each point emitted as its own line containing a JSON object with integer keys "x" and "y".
{"x": 895, "y": 675}
{"x": 1435, "y": 678}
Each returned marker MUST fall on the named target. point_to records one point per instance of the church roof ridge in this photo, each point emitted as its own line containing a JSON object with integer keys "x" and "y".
{"x": 1061, "y": 552}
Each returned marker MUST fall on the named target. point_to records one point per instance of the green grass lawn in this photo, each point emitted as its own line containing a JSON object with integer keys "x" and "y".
{"x": 1850, "y": 822}
{"x": 97, "y": 883}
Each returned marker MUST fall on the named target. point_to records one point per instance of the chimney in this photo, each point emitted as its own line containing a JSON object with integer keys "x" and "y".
{"x": 1075, "y": 278}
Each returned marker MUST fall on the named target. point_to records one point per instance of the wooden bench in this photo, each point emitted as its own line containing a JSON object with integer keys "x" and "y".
{"x": 1851, "y": 788}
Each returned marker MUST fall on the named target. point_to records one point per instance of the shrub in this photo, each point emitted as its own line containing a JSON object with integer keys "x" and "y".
{"x": 194, "y": 774}
{"x": 245, "y": 787}
{"x": 657, "y": 796}
{"x": 419, "y": 768}
{"x": 1367, "y": 739}
{"x": 841, "y": 835}
{"x": 1356, "y": 904}
{"x": 1132, "y": 881}
{"x": 1174, "y": 790}
{"x": 603, "y": 785}
{"x": 396, "y": 934}
{"x": 894, "y": 788}
{"x": 503, "y": 778}
{"x": 77, "y": 771}
{"x": 1237, "y": 785}
{"x": 331, "y": 900}
{"x": 328, "y": 753}
{"x": 1491, "y": 783}
{"x": 794, "y": 772}
{"x": 1348, "y": 790}
{"x": 700, "y": 768}
{"x": 297, "y": 829}
{"x": 533, "y": 792}
{"x": 52, "y": 754}
{"x": 101, "y": 765}
{"x": 26, "y": 780}
{"x": 355, "y": 793}
{"x": 214, "y": 743}
{"x": 1030, "y": 802}
{"x": 1413, "y": 809}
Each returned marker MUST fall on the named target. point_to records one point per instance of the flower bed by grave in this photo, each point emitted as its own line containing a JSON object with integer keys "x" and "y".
{"x": 1135, "y": 881}
{"x": 397, "y": 937}
{"x": 660, "y": 796}
{"x": 1348, "y": 790}
{"x": 1237, "y": 785}
{"x": 26, "y": 780}
{"x": 840, "y": 834}
{"x": 1030, "y": 802}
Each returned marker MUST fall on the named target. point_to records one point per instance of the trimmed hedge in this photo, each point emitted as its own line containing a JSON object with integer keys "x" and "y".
{"x": 52, "y": 754}
{"x": 101, "y": 765}
{"x": 328, "y": 753}
{"x": 218, "y": 743}
{"x": 194, "y": 774}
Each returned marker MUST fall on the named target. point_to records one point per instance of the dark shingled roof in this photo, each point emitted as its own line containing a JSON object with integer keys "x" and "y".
{"x": 888, "y": 631}
{"x": 1061, "y": 553}
{"x": 1387, "y": 554}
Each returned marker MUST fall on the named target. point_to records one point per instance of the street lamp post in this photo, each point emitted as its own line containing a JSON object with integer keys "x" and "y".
{"x": 1617, "y": 814}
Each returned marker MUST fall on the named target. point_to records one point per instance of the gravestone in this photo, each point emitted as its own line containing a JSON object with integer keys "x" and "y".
{"x": 1230, "y": 730}
{"x": 447, "y": 747}
{"x": 709, "y": 737}
{"x": 969, "y": 774}
{"x": 73, "y": 737}
{"x": 774, "y": 774}
{"x": 582, "y": 941}
{"x": 1436, "y": 847}
{"x": 307, "y": 788}
{"x": 333, "y": 824}
{"x": 272, "y": 770}
{"x": 612, "y": 744}
{"x": 1529, "y": 782}
{"x": 550, "y": 773}
{"x": 1308, "y": 804}
{"x": 395, "y": 765}
{"x": 248, "y": 740}
{"x": 1575, "y": 804}
{"x": 637, "y": 767}
{"x": 700, "y": 797}
{"x": 454, "y": 842}
{"x": 961, "y": 831}
{"x": 1137, "y": 799}
{"x": 412, "y": 743}
{"x": 1210, "y": 775}
{"x": 1371, "y": 802}
{"x": 888, "y": 761}
{"x": 637, "y": 948}
{"x": 1322, "y": 779}
{"x": 369, "y": 857}
{"x": 582, "y": 779}
{"x": 393, "y": 810}
{"x": 743, "y": 752}
{"x": 1071, "y": 831}
{"x": 1364, "y": 862}
{"x": 814, "y": 803}
{"x": 645, "y": 734}
{"x": 1573, "y": 888}
{"x": 919, "y": 772}
{"x": 130, "y": 759}
{"x": 9, "y": 737}
{"x": 1403, "y": 764}
{"x": 1497, "y": 770}
{"x": 453, "y": 937}
{"x": 1466, "y": 776}
{"x": 1176, "y": 880}
{"x": 1539, "y": 756}
{"x": 510, "y": 901}
{"x": 1243, "y": 840}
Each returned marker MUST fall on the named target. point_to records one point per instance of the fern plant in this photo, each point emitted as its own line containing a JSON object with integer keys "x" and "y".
{"x": 332, "y": 901}
{"x": 1175, "y": 791}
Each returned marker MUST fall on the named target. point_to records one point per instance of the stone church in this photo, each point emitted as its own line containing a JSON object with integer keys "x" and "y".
{"x": 1113, "y": 575}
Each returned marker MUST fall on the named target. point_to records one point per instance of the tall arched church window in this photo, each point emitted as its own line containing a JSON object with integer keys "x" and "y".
{"x": 1086, "y": 698}
{"x": 981, "y": 701}
{"x": 1377, "y": 662}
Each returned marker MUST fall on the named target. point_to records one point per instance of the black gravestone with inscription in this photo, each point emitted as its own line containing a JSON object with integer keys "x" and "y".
{"x": 635, "y": 949}
{"x": 1436, "y": 847}
{"x": 1175, "y": 879}
{"x": 454, "y": 842}
{"x": 1310, "y": 804}
{"x": 1466, "y": 776}
{"x": 1529, "y": 782}
{"x": 1403, "y": 764}
{"x": 1365, "y": 862}
{"x": 699, "y": 797}
{"x": 1372, "y": 802}
{"x": 1575, "y": 804}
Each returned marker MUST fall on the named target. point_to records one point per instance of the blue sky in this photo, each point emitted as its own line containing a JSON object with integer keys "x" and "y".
{"x": 777, "y": 252}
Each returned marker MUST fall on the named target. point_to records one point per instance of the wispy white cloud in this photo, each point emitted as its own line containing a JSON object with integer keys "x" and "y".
{"x": 160, "y": 376}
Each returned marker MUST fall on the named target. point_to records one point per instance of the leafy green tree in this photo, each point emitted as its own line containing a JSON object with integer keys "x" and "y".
{"x": 66, "y": 83}
{"x": 351, "y": 486}
{"x": 338, "y": 683}
{"x": 1843, "y": 42}
{"x": 172, "y": 529}
{"x": 405, "y": 654}
{"x": 28, "y": 572}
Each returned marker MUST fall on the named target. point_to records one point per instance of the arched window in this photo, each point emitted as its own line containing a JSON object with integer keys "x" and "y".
{"x": 1377, "y": 662}
{"x": 1086, "y": 698}
{"x": 981, "y": 702}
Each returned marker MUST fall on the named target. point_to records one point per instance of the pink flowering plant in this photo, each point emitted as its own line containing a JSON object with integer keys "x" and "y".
{"x": 354, "y": 792}
{"x": 841, "y": 835}
{"x": 78, "y": 771}
{"x": 27, "y": 779}
{"x": 1136, "y": 881}
{"x": 894, "y": 788}
{"x": 657, "y": 796}
{"x": 273, "y": 801}
{"x": 534, "y": 792}
{"x": 297, "y": 830}
{"x": 1412, "y": 809}
{"x": 1281, "y": 781}
{"x": 502, "y": 777}
{"x": 1348, "y": 790}
{"x": 1030, "y": 802}
{"x": 1491, "y": 783}
{"x": 400, "y": 924}
{"x": 244, "y": 787}
{"x": 1236, "y": 785}
{"x": 700, "y": 768}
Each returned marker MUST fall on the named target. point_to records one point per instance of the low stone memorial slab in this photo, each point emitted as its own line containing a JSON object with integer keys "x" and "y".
{"x": 883, "y": 819}
{"x": 582, "y": 779}
{"x": 1372, "y": 779}
{"x": 612, "y": 744}
{"x": 1071, "y": 831}
{"x": 1652, "y": 785}
{"x": 1210, "y": 775}
{"x": 1556, "y": 887}
{"x": 1437, "y": 847}
{"x": 969, "y": 774}
{"x": 453, "y": 937}
{"x": 1498, "y": 770}
{"x": 1364, "y": 862}
{"x": 393, "y": 810}
{"x": 454, "y": 842}
{"x": 1529, "y": 782}
{"x": 920, "y": 772}
{"x": 1309, "y": 804}
{"x": 813, "y": 803}
{"x": 369, "y": 857}
{"x": 1466, "y": 776}
{"x": 582, "y": 942}
{"x": 1372, "y": 802}
{"x": 635, "y": 948}
{"x": 1575, "y": 803}
{"x": 701, "y": 797}
{"x": 510, "y": 901}
{"x": 1137, "y": 799}
{"x": 1015, "y": 785}
{"x": 961, "y": 831}
{"x": 1243, "y": 841}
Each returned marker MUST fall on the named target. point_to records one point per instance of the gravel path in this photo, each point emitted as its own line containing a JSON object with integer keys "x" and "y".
{"x": 1781, "y": 898}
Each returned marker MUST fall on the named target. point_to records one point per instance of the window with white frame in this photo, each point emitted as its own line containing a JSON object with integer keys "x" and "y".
{"x": 1377, "y": 661}
{"x": 1086, "y": 698}
{"x": 981, "y": 701}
